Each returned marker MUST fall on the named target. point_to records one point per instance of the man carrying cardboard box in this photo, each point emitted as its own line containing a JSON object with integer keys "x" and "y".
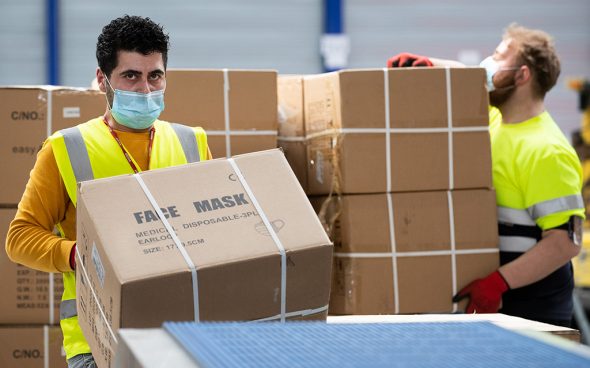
{"x": 538, "y": 180}
{"x": 132, "y": 54}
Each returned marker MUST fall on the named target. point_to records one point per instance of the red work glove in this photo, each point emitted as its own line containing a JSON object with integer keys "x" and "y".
{"x": 73, "y": 257}
{"x": 485, "y": 294}
{"x": 406, "y": 59}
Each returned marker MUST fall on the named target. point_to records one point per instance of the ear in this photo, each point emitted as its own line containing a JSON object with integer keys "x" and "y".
{"x": 523, "y": 75}
{"x": 101, "y": 80}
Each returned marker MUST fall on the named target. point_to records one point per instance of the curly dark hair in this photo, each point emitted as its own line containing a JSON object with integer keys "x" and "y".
{"x": 130, "y": 33}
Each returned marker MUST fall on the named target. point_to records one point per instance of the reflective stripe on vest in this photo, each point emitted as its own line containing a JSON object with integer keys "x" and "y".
{"x": 513, "y": 216}
{"x": 560, "y": 204}
{"x": 80, "y": 161}
{"x": 67, "y": 309}
{"x": 518, "y": 244}
{"x": 527, "y": 217}
{"x": 78, "y": 154}
{"x": 186, "y": 136}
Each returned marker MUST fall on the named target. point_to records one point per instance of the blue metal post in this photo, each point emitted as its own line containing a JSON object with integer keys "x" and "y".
{"x": 333, "y": 16}
{"x": 334, "y": 45}
{"x": 52, "y": 44}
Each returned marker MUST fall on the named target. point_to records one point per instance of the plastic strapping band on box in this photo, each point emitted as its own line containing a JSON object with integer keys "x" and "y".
{"x": 272, "y": 233}
{"x": 302, "y": 313}
{"x": 337, "y": 131}
{"x": 177, "y": 242}
{"x": 46, "y": 346}
{"x": 291, "y": 139}
{"x": 226, "y": 112}
{"x": 242, "y": 132}
{"x": 450, "y": 123}
{"x": 80, "y": 265}
{"x": 427, "y": 253}
{"x": 49, "y": 112}
{"x": 393, "y": 253}
{"x": 453, "y": 245}
{"x": 387, "y": 130}
{"x": 51, "y": 298}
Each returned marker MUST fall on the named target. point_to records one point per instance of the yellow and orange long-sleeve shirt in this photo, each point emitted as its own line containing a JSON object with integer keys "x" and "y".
{"x": 31, "y": 240}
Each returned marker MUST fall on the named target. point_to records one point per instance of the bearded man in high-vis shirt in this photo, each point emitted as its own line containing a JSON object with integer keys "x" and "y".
{"x": 537, "y": 177}
{"x": 132, "y": 54}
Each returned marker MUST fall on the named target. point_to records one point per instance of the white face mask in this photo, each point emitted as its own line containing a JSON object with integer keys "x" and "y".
{"x": 491, "y": 66}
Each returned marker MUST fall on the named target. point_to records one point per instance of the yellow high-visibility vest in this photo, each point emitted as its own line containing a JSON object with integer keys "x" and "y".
{"x": 89, "y": 151}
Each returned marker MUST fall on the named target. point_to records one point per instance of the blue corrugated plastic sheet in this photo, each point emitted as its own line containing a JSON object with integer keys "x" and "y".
{"x": 316, "y": 344}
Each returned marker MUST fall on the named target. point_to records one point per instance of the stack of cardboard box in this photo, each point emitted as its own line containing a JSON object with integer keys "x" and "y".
{"x": 237, "y": 108}
{"x": 29, "y": 307}
{"x": 405, "y": 154}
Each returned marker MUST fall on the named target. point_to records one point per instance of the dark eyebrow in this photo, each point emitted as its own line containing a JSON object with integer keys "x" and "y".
{"x": 130, "y": 71}
{"x": 157, "y": 72}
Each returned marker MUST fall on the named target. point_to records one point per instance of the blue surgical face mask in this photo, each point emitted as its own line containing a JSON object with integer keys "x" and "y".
{"x": 491, "y": 66}
{"x": 136, "y": 110}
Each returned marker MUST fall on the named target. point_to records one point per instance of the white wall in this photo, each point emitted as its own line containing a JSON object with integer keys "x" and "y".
{"x": 381, "y": 28}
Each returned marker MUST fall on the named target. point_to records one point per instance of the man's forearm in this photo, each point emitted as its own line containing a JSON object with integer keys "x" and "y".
{"x": 550, "y": 253}
{"x": 37, "y": 248}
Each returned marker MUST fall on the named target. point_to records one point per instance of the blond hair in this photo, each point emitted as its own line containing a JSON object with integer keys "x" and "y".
{"x": 535, "y": 48}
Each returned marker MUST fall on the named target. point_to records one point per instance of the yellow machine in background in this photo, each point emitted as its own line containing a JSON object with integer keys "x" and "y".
{"x": 581, "y": 142}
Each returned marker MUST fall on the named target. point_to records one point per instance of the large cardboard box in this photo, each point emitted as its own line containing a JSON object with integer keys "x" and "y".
{"x": 237, "y": 108}
{"x": 31, "y": 347}
{"x": 231, "y": 221}
{"x": 410, "y": 252}
{"x": 26, "y": 293}
{"x": 291, "y": 137}
{"x": 397, "y": 130}
{"x": 28, "y": 115}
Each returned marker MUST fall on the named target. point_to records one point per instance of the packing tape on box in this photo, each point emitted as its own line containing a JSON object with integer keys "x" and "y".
{"x": 80, "y": 265}
{"x": 177, "y": 242}
{"x": 272, "y": 233}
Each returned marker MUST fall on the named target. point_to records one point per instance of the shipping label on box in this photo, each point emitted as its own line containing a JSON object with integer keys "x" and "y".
{"x": 412, "y": 129}
{"x": 27, "y": 119}
{"x": 237, "y": 108}
{"x": 257, "y": 253}
{"x": 31, "y": 347}
{"x": 410, "y": 252}
{"x": 26, "y": 293}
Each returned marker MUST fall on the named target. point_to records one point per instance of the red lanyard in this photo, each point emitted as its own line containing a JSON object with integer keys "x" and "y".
{"x": 125, "y": 153}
